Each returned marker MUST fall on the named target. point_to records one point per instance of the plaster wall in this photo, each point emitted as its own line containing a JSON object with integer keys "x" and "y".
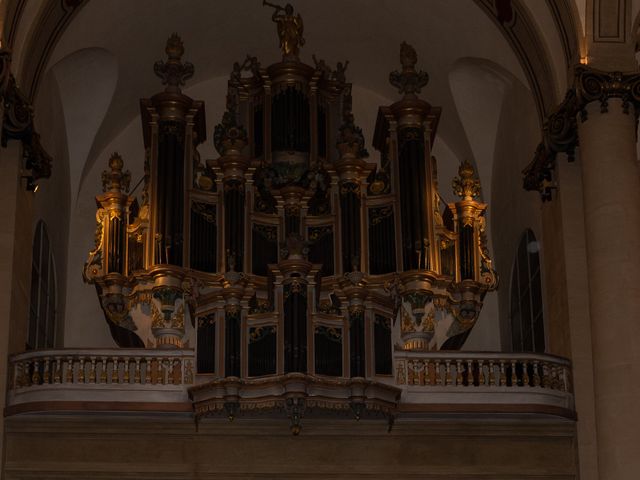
{"x": 513, "y": 210}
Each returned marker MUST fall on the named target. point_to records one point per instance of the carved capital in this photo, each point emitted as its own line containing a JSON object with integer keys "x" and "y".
{"x": 560, "y": 132}
{"x": 596, "y": 85}
{"x": 18, "y": 125}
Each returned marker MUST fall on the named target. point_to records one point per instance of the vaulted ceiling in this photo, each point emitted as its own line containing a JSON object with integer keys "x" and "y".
{"x": 102, "y": 61}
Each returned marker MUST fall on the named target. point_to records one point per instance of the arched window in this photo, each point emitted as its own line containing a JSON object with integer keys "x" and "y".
{"x": 42, "y": 308}
{"x": 527, "y": 324}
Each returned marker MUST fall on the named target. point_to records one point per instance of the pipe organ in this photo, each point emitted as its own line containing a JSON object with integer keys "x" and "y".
{"x": 292, "y": 251}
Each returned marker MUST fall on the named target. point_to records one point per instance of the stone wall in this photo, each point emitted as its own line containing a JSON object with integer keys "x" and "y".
{"x": 155, "y": 446}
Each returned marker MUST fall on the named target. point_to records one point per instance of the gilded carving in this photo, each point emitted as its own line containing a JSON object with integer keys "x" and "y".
{"x": 93, "y": 265}
{"x": 465, "y": 185}
{"x": 290, "y": 29}
{"x": 157, "y": 317}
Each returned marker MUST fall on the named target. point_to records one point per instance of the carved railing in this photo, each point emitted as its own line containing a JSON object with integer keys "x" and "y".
{"x": 489, "y": 378}
{"x": 117, "y": 375}
{"x": 502, "y": 381}
{"x": 145, "y": 367}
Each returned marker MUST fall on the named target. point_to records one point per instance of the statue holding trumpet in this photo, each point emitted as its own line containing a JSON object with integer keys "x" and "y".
{"x": 290, "y": 29}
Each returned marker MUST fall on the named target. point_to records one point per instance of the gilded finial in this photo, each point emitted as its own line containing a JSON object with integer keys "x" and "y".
{"x": 174, "y": 72}
{"x": 116, "y": 180}
{"x": 465, "y": 185}
{"x": 409, "y": 81}
{"x": 290, "y": 29}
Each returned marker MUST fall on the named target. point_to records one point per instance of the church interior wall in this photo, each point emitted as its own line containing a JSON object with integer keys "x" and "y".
{"x": 490, "y": 119}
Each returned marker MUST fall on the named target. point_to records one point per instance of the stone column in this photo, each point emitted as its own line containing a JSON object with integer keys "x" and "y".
{"x": 611, "y": 189}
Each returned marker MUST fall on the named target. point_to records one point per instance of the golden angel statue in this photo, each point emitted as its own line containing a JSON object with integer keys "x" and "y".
{"x": 290, "y": 29}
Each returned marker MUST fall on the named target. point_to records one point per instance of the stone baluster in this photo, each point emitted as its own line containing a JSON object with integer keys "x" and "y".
{"x": 481, "y": 376}
{"x": 115, "y": 367}
{"x": 81, "y": 370}
{"x": 447, "y": 370}
{"x": 546, "y": 383}
{"x": 57, "y": 371}
{"x": 420, "y": 372}
{"x": 514, "y": 374}
{"x": 92, "y": 370}
{"x": 525, "y": 373}
{"x": 459, "y": 379}
{"x": 103, "y": 369}
{"x": 46, "y": 374}
{"x": 438, "y": 377}
{"x": 536, "y": 374}
{"x": 163, "y": 371}
{"x": 492, "y": 375}
{"x": 125, "y": 376}
{"x": 69, "y": 378}
{"x": 555, "y": 381}
{"x": 35, "y": 377}
{"x": 470, "y": 381}
{"x": 136, "y": 377}
{"x": 503, "y": 374}
{"x": 566, "y": 386}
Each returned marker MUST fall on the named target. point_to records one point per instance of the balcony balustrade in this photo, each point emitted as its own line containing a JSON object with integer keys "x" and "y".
{"x": 485, "y": 378}
{"x": 65, "y": 378}
{"x": 119, "y": 379}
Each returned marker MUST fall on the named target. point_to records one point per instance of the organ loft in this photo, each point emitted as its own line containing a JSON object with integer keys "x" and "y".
{"x": 297, "y": 268}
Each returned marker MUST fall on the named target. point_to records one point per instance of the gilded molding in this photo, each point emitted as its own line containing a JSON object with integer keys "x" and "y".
{"x": 303, "y": 395}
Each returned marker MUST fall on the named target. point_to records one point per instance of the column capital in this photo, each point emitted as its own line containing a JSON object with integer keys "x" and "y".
{"x": 17, "y": 124}
{"x": 560, "y": 132}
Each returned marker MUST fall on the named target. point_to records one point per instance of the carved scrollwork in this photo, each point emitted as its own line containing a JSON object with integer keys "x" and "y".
{"x": 93, "y": 265}
{"x": 487, "y": 273}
